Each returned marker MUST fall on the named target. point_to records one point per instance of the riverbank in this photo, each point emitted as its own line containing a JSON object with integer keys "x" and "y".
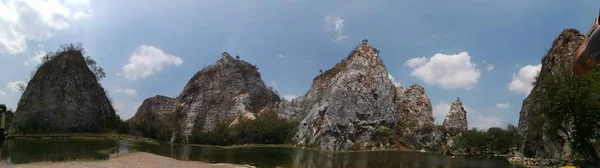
{"x": 137, "y": 159}
{"x": 86, "y": 136}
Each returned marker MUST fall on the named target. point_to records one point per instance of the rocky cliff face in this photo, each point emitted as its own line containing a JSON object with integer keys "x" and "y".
{"x": 347, "y": 104}
{"x": 63, "y": 96}
{"x": 219, "y": 93}
{"x": 538, "y": 143}
{"x": 456, "y": 119}
{"x": 413, "y": 106}
{"x": 155, "y": 118}
{"x": 415, "y": 118}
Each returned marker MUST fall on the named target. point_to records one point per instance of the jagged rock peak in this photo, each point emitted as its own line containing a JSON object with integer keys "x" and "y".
{"x": 456, "y": 119}
{"x": 226, "y": 56}
{"x": 347, "y": 104}
{"x": 414, "y": 107}
{"x": 221, "y": 92}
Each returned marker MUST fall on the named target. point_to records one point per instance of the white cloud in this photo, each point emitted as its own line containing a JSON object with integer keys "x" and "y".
{"x": 522, "y": 82}
{"x": 414, "y": 62}
{"x": 290, "y": 97}
{"x": 337, "y": 25}
{"x": 503, "y": 105}
{"x": 485, "y": 122}
{"x": 393, "y": 80}
{"x": 127, "y": 91}
{"x": 146, "y": 60}
{"x": 489, "y": 67}
{"x": 23, "y": 20}
{"x": 281, "y": 56}
{"x": 2, "y": 93}
{"x": 440, "y": 110}
{"x": 448, "y": 71}
{"x": 14, "y": 86}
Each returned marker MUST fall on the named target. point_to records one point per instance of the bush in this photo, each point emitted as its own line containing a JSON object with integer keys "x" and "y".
{"x": 268, "y": 128}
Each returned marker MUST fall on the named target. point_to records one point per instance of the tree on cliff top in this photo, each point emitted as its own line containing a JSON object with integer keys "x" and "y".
{"x": 572, "y": 105}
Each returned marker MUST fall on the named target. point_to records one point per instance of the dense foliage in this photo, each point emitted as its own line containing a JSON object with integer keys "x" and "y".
{"x": 571, "y": 104}
{"x": 494, "y": 140}
{"x": 91, "y": 63}
{"x": 267, "y": 128}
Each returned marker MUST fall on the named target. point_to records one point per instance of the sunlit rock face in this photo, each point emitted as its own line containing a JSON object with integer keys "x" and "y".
{"x": 218, "y": 94}
{"x": 346, "y": 104}
{"x": 456, "y": 119}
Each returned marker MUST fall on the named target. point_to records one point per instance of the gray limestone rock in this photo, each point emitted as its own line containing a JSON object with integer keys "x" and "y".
{"x": 220, "y": 93}
{"x": 456, "y": 119}
{"x": 64, "y": 96}
{"x": 155, "y": 118}
{"x": 538, "y": 139}
{"x": 347, "y": 104}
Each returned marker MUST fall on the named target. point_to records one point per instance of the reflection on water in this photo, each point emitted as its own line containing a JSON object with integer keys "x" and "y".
{"x": 31, "y": 150}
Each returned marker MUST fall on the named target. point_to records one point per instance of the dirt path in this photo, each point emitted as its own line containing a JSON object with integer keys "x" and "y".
{"x": 137, "y": 159}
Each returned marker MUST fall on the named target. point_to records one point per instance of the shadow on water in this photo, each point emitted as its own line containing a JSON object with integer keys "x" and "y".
{"x": 33, "y": 150}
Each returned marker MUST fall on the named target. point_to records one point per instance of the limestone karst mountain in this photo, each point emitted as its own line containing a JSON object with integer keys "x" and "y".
{"x": 64, "y": 96}
{"x": 347, "y": 104}
{"x": 538, "y": 141}
{"x": 154, "y": 118}
{"x": 217, "y": 94}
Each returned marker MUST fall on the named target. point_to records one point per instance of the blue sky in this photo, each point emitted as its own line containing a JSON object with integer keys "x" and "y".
{"x": 152, "y": 47}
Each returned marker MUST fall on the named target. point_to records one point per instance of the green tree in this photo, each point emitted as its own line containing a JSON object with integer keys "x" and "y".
{"x": 571, "y": 104}
{"x": 499, "y": 140}
{"x": 473, "y": 142}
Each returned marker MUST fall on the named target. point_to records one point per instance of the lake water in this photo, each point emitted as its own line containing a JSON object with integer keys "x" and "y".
{"x": 31, "y": 150}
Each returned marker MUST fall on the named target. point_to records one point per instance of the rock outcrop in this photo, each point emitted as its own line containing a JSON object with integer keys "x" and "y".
{"x": 413, "y": 106}
{"x": 348, "y": 104}
{"x": 415, "y": 119}
{"x": 456, "y": 119}
{"x": 155, "y": 118}
{"x": 538, "y": 141}
{"x": 64, "y": 96}
{"x": 218, "y": 94}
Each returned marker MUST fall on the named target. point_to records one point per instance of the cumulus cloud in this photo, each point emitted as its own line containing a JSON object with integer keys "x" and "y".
{"x": 503, "y": 105}
{"x": 522, "y": 81}
{"x": 127, "y": 91}
{"x": 448, "y": 71}
{"x": 2, "y": 93}
{"x": 15, "y": 86}
{"x": 336, "y": 25}
{"x": 23, "y": 20}
{"x": 393, "y": 80}
{"x": 146, "y": 60}
{"x": 281, "y": 56}
{"x": 290, "y": 97}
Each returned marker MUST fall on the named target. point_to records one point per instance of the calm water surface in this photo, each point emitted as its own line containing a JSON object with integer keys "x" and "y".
{"x": 31, "y": 150}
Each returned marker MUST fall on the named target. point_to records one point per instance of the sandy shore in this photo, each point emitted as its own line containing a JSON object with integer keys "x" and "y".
{"x": 137, "y": 159}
